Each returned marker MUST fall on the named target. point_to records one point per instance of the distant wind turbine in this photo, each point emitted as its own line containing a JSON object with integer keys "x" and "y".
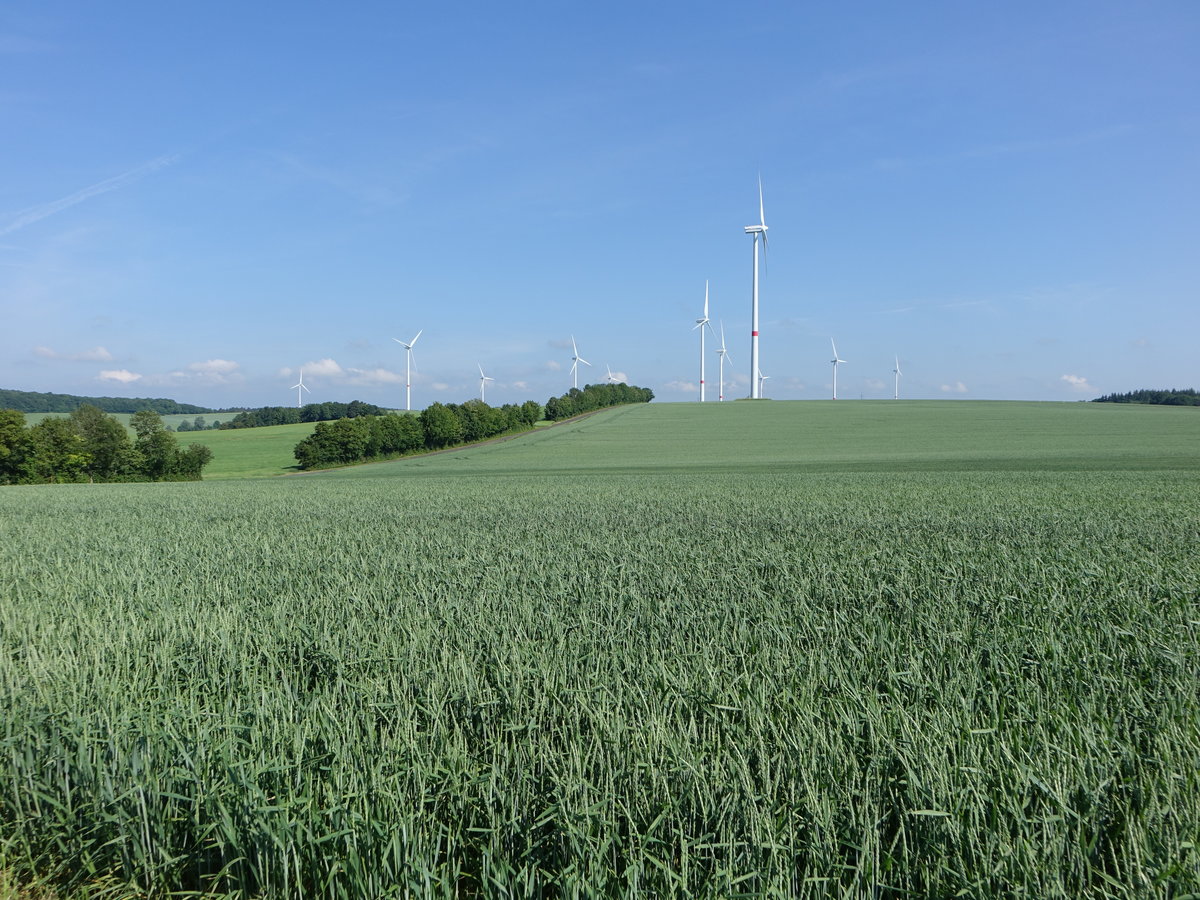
{"x": 898, "y": 373}
{"x": 756, "y": 230}
{"x": 722, "y": 353}
{"x": 576, "y": 359}
{"x": 612, "y": 379}
{"x": 761, "y": 379}
{"x": 483, "y": 380}
{"x": 408, "y": 367}
{"x": 300, "y": 388}
{"x": 702, "y": 323}
{"x": 836, "y": 362}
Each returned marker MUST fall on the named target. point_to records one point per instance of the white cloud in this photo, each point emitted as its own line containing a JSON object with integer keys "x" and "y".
{"x": 553, "y": 365}
{"x": 957, "y": 388}
{"x": 374, "y": 376}
{"x": 96, "y": 354}
{"x": 214, "y": 367}
{"x": 685, "y": 387}
{"x": 521, "y": 385}
{"x": 440, "y": 386}
{"x": 327, "y": 367}
{"x": 1078, "y": 383}
{"x": 875, "y": 384}
{"x": 124, "y": 376}
{"x": 37, "y": 213}
{"x": 621, "y": 376}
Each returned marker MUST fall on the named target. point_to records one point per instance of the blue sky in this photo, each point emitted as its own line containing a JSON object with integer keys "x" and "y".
{"x": 200, "y": 199}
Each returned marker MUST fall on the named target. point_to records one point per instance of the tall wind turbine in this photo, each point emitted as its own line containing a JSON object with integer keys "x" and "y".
{"x": 408, "y": 366}
{"x": 898, "y": 373}
{"x": 576, "y": 359}
{"x": 722, "y": 353}
{"x": 483, "y": 380}
{"x": 300, "y": 387}
{"x": 756, "y": 230}
{"x": 836, "y": 361}
{"x": 702, "y": 323}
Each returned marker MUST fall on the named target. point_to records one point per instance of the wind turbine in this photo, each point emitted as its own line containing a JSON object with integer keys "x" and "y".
{"x": 836, "y": 360}
{"x": 300, "y": 387}
{"x": 756, "y": 230}
{"x": 702, "y": 323}
{"x": 722, "y": 353}
{"x": 612, "y": 379}
{"x": 898, "y": 373}
{"x": 483, "y": 380}
{"x": 761, "y": 379}
{"x": 408, "y": 359}
{"x": 576, "y": 359}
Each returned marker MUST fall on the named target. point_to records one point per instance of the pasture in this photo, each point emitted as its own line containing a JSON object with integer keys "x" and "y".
{"x": 757, "y": 649}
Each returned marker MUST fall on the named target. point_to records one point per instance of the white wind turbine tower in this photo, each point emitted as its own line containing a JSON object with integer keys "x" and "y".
{"x": 836, "y": 361}
{"x": 702, "y": 323}
{"x": 300, "y": 388}
{"x": 756, "y": 230}
{"x": 576, "y": 359}
{"x": 408, "y": 360}
{"x": 483, "y": 380}
{"x": 722, "y": 353}
{"x": 898, "y": 373}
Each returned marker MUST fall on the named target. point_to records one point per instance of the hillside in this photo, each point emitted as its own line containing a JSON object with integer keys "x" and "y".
{"x": 34, "y": 402}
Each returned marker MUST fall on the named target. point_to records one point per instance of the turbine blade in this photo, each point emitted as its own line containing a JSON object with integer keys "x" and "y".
{"x": 414, "y": 340}
{"x": 762, "y": 218}
{"x": 584, "y": 361}
{"x": 705, "y": 299}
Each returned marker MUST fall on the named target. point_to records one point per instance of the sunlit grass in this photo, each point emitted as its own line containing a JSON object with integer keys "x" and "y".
{"x": 619, "y": 659}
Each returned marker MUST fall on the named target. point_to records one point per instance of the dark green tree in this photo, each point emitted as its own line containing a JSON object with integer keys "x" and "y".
{"x": 442, "y": 427}
{"x": 14, "y": 445}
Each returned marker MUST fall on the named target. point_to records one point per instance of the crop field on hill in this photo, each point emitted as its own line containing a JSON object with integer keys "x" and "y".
{"x": 250, "y": 452}
{"x": 663, "y": 651}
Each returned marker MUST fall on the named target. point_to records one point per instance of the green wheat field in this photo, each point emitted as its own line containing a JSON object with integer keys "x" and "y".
{"x": 801, "y": 649}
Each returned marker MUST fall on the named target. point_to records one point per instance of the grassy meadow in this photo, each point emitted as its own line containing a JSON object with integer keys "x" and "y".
{"x": 250, "y": 452}
{"x": 752, "y": 649}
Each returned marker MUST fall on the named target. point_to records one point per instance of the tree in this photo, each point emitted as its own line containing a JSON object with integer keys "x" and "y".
{"x": 441, "y": 426}
{"x": 14, "y": 445}
{"x": 155, "y": 444}
{"x": 57, "y": 452}
{"x": 106, "y": 441}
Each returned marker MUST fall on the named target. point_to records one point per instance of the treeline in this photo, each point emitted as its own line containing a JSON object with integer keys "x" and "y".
{"x": 197, "y": 424}
{"x": 32, "y": 401}
{"x": 595, "y": 396}
{"x": 1187, "y": 397}
{"x": 394, "y": 434}
{"x": 89, "y": 445}
{"x": 293, "y": 415}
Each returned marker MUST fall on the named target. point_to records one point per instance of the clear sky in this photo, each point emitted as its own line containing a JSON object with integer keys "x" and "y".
{"x": 198, "y": 199}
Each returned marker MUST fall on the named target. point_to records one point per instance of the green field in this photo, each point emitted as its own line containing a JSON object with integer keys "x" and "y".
{"x": 250, "y": 452}
{"x": 751, "y": 649}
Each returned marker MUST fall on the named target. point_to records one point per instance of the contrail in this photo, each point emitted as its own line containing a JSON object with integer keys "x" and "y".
{"x": 37, "y": 213}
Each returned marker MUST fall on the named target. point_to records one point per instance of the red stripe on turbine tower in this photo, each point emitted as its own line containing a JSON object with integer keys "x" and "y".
{"x": 754, "y": 334}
